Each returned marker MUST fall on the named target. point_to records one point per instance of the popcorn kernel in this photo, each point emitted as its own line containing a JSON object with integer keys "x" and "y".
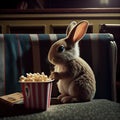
{"x": 35, "y": 77}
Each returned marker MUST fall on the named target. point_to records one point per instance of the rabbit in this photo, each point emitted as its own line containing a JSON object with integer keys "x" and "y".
{"x": 76, "y": 79}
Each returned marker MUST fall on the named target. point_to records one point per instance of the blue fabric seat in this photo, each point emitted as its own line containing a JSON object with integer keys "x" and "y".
{"x": 25, "y": 53}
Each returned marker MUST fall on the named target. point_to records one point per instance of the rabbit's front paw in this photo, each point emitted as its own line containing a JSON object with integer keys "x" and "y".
{"x": 54, "y": 75}
{"x": 68, "y": 99}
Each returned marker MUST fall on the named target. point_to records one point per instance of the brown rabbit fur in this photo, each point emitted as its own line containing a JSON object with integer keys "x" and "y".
{"x": 76, "y": 80}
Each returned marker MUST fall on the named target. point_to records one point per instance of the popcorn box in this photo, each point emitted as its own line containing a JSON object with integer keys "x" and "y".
{"x": 37, "y": 95}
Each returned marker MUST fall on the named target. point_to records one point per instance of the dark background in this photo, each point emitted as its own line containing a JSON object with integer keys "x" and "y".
{"x": 13, "y": 4}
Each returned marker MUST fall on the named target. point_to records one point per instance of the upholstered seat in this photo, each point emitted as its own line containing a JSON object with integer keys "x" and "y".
{"x": 115, "y": 30}
{"x": 24, "y": 53}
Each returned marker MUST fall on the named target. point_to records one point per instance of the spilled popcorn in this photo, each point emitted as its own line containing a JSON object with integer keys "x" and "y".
{"x": 34, "y": 77}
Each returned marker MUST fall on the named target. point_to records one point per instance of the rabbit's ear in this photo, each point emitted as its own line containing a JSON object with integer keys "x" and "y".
{"x": 70, "y": 27}
{"x": 78, "y": 31}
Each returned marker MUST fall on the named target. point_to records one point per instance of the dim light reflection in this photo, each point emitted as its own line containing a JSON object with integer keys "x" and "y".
{"x": 104, "y": 2}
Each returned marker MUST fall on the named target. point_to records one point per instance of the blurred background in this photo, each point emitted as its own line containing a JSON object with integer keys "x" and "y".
{"x": 13, "y": 4}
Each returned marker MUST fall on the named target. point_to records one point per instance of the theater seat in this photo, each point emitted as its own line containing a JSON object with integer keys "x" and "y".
{"x": 115, "y": 30}
{"x": 24, "y": 53}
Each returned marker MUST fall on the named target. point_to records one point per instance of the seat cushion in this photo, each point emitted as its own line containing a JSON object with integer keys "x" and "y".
{"x": 95, "y": 110}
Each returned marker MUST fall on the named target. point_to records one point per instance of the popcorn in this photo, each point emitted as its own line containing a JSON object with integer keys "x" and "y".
{"x": 35, "y": 77}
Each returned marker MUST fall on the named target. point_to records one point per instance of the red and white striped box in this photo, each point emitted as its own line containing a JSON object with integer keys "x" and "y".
{"x": 37, "y": 95}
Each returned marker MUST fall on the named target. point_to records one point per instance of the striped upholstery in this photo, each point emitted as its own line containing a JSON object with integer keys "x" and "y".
{"x": 24, "y": 53}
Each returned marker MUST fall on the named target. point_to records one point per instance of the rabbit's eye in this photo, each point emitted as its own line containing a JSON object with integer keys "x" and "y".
{"x": 61, "y": 48}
